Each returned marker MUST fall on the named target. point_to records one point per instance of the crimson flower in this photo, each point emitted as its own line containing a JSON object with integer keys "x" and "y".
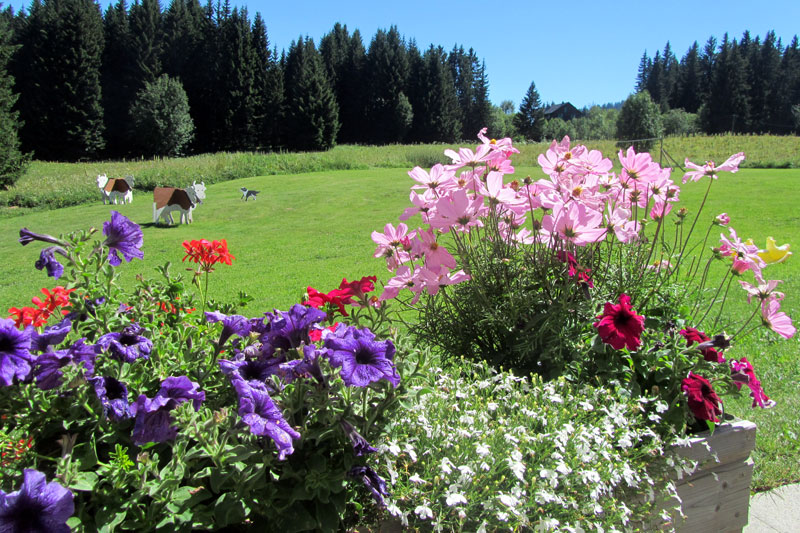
{"x": 693, "y": 335}
{"x": 619, "y": 325}
{"x": 703, "y": 401}
{"x": 359, "y": 287}
{"x": 332, "y": 301}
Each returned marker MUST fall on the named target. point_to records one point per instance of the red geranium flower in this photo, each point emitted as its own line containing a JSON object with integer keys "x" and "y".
{"x": 37, "y": 316}
{"x": 693, "y": 335}
{"x": 332, "y": 301}
{"x": 703, "y": 401}
{"x": 360, "y": 287}
{"x": 207, "y": 253}
{"x": 619, "y": 326}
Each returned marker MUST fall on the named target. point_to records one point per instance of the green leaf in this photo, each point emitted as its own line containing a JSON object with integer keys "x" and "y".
{"x": 84, "y": 481}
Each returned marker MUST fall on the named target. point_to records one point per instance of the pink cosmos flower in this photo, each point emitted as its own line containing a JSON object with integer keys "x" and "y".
{"x": 764, "y": 290}
{"x": 778, "y": 322}
{"x": 434, "y": 278}
{"x": 730, "y": 165}
{"x": 745, "y": 256}
{"x": 742, "y": 372}
{"x": 435, "y": 254}
{"x": 495, "y": 191}
{"x": 504, "y": 145}
{"x": 466, "y": 157}
{"x": 438, "y": 180}
{"x": 421, "y": 206}
{"x": 619, "y": 325}
{"x": 576, "y": 224}
{"x": 660, "y": 210}
{"x": 620, "y": 223}
{"x": 457, "y": 210}
{"x": 393, "y": 244}
{"x": 639, "y": 168}
{"x": 404, "y": 279}
{"x": 722, "y": 219}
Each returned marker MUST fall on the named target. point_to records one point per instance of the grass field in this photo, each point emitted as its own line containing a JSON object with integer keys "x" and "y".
{"x": 314, "y": 228}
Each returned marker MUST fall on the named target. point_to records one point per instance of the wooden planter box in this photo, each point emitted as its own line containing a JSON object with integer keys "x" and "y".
{"x": 715, "y": 497}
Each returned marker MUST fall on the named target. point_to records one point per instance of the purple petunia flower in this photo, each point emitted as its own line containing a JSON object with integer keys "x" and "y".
{"x": 26, "y": 237}
{"x": 248, "y": 369}
{"x": 47, "y": 260}
{"x": 374, "y": 482}
{"x": 47, "y": 367}
{"x": 360, "y": 444}
{"x": 113, "y": 396}
{"x": 153, "y": 420}
{"x": 290, "y": 330}
{"x": 37, "y": 507}
{"x": 263, "y": 417}
{"x": 127, "y": 345}
{"x": 362, "y": 359}
{"x": 231, "y": 325}
{"x": 51, "y": 336}
{"x": 15, "y": 356}
{"x": 122, "y": 237}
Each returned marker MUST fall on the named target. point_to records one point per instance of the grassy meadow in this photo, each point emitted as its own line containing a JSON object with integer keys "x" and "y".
{"x": 313, "y": 228}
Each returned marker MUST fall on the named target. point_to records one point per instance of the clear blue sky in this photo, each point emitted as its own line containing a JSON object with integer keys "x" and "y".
{"x": 585, "y": 52}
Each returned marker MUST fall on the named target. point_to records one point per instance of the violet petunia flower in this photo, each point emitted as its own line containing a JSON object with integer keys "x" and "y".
{"x": 371, "y": 480}
{"x": 47, "y": 367}
{"x": 47, "y": 260}
{"x": 37, "y": 507}
{"x": 15, "y": 356}
{"x": 26, "y": 237}
{"x": 122, "y": 237}
{"x": 263, "y": 417}
{"x": 231, "y": 325}
{"x": 127, "y": 345}
{"x": 113, "y": 396}
{"x": 153, "y": 420}
{"x": 362, "y": 359}
{"x": 360, "y": 444}
{"x": 51, "y": 336}
{"x": 288, "y": 330}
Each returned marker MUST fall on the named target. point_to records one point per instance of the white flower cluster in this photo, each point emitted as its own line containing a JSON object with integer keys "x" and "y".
{"x": 478, "y": 450}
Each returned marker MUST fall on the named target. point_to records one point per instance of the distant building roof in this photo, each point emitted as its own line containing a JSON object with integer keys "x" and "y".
{"x": 564, "y": 110}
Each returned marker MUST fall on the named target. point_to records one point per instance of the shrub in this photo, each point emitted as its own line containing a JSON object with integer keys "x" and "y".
{"x": 639, "y": 118}
{"x": 679, "y": 123}
{"x": 160, "y": 118}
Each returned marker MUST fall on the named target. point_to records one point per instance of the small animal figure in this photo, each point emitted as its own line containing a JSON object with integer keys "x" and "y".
{"x": 169, "y": 199}
{"x": 246, "y": 195}
{"x": 116, "y": 190}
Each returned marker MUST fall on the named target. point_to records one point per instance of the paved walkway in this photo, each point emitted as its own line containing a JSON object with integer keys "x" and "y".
{"x": 774, "y": 511}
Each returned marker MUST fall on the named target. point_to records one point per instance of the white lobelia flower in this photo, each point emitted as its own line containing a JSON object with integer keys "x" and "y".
{"x": 416, "y": 479}
{"x": 455, "y": 498}
{"x": 447, "y": 465}
{"x": 482, "y": 449}
{"x": 424, "y": 512}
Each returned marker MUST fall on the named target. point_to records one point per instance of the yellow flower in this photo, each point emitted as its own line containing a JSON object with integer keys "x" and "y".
{"x": 774, "y": 254}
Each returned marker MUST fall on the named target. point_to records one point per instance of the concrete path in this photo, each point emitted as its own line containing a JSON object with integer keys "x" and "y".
{"x": 775, "y": 511}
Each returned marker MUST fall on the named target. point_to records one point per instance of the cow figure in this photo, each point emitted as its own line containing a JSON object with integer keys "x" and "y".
{"x": 169, "y": 199}
{"x": 116, "y": 190}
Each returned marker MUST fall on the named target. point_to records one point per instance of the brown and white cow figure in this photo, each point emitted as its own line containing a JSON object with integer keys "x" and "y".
{"x": 169, "y": 199}
{"x": 116, "y": 190}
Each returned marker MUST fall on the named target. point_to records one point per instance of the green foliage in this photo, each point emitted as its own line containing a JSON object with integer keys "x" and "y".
{"x": 597, "y": 123}
{"x": 678, "y": 122}
{"x": 12, "y": 162}
{"x": 557, "y": 128}
{"x": 160, "y": 117}
{"x": 639, "y": 118}
{"x": 529, "y": 120}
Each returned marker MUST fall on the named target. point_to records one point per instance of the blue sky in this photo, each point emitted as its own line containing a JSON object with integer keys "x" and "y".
{"x": 583, "y": 52}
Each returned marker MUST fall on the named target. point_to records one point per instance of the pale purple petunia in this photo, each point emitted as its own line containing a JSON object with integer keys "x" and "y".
{"x": 263, "y": 417}
{"x": 127, "y": 345}
{"x": 122, "y": 237}
{"x": 51, "y": 336}
{"x": 15, "y": 357}
{"x": 362, "y": 359}
{"x": 37, "y": 507}
{"x": 153, "y": 420}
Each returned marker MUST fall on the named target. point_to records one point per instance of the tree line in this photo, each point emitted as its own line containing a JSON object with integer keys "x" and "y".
{"x": 138, "y": 80}
{"x": 743, "y": 86}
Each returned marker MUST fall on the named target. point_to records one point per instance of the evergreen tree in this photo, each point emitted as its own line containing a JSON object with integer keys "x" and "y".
{"x": 440, "y": 111}
{"x": 118, "y": 79}
{"x": 689, "y": 88}
{"x": 671, "y": 67}
{"x": 707, "y": 60}
{"x": 60, "y": 96}
{"x": 529, "y": 120}
{"x": 639, "y": 118}
{"x": 764, "y": 61}
{"x": 645, "y": 65}
{"x": 160, "y": 118}
{"x": 268, "y": 87}
{"x": 344, "y": 57}
{"x": 389, "y": 111}
{"x": 656, "y": 82}
{"x": 481, "y": 112}
{"x": 787, "y": 89}
{"x": 12, "y": 161}
{"x": 204, "y": 88}
{"x": 146, "y": 40}
{"x": 415, "y": 89}
{"x": 727, "y": 106}
{"x": 311, "y": 112}
{"x": 237, "y": 100}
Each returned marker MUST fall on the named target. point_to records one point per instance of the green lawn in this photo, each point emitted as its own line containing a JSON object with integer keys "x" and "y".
{"x": 314, "y": 229}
